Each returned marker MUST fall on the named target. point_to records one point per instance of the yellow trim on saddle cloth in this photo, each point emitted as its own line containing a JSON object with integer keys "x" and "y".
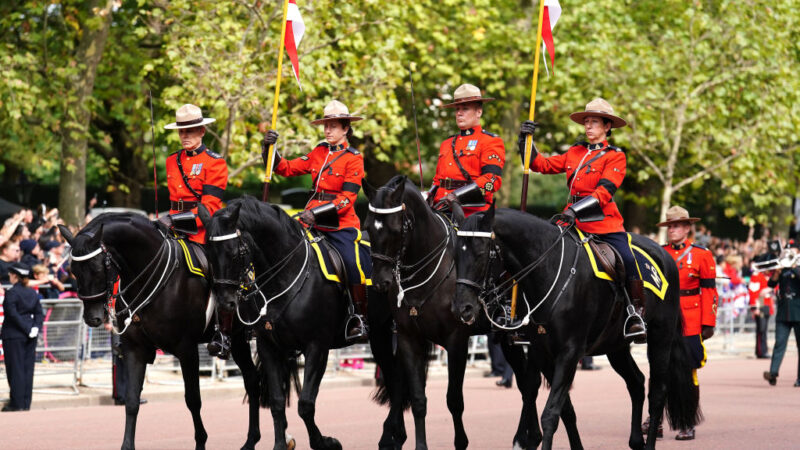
{"x": 315, "y": 245}
{"x": 192, "y": 268}
{"x": 599, "y": 273}
{"x": 364, "y": 280}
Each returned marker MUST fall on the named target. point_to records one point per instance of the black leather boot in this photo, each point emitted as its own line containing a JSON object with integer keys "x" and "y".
{"x": 356, "y": 323}
{"x": 634, "y": 324}
{"x": 220, "y": 345}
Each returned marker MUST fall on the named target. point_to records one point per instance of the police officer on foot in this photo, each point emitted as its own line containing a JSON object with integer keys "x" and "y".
{"x": 595, "y": 170}
{"x": 196, "y": 175}
{"x": 698, "y": 290}
{"x": 336, "y": 169}
{"x": 470, "y": 166}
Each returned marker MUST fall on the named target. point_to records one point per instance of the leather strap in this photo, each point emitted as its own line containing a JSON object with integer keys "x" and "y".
{"x": 323, "y": 196}
{"x": 181, "y": 205}
{"x": 185, "y": 179}
{"x": 690, "y": 292}
{"x": 458, "y": 162}
{"x": 449, "y": 183}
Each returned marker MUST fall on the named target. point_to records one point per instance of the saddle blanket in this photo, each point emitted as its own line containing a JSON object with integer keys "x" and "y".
{"x": 323, "y": 256}
{"x": 190, "y": 250}
{"x": 652, "y": 276}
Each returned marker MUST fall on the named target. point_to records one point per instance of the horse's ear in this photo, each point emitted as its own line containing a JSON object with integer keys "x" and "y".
{"x": 397, "y": 194}
{"x": 202, "y": 213}
{"x": 235, "y": 213}
{"x": 487, "y": 220}
{"x": 458, "y": 214}
{"x": 97, "y": 239}
{"x": 368, "y": 189}
{"x": 66, "y": 233}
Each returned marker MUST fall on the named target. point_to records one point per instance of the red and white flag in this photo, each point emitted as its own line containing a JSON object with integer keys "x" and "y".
{"x": 552, "y": 11}
{"x": 295, "y": 28}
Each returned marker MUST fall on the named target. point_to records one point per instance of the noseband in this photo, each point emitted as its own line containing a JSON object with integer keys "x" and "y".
{"x": 107, "y": 263}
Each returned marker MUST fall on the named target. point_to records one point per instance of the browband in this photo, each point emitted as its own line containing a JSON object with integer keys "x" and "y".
{"x": 387, "y": 210}
{"x": 88, "y": 255}
{"x": 483, "y": 234}
{"x": 225, "y": 237}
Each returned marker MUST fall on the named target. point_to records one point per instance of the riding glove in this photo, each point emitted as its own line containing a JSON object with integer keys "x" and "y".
{"x": 307, "y": 217}
{"x": 708, "y": 332}
{"x": 269, "y": 140}
{"x": 527, "y": 127}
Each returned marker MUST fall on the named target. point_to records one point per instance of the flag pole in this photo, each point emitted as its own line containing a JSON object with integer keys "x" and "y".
{"x": 271, "y": 150}
{"x": 526, "y": 160}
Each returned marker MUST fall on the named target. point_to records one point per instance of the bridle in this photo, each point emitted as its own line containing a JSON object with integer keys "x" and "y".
{"x": 439, "y": 251}
{"x": 108, "y": 262}
{"x": 249, "y": 285}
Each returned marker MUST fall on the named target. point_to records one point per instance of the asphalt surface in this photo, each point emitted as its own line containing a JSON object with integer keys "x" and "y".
{"x": 742, "y": 412}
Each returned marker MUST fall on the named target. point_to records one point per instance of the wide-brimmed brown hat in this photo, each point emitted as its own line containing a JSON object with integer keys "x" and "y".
{"x": 599, "y": 108}
{"x": 467, "y": 93}
{"x": 335, "y": 110}
{"x": 188, "y": 116}
{"x": 676, "y": 214}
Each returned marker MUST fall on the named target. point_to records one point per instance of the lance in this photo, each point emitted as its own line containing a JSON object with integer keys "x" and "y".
{"x": 271, "y": 150}
{"x": 526, "y": 160}
{"x": 416, "y": 129}
{"x": 153, "y": 133}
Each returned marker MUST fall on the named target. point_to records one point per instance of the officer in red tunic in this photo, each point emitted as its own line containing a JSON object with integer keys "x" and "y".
{"x": 762, "y": 307}
{"x": 197, "y": 175}
{"x": 472, "y": 160}
{"x": 336, "y": 171}
{"x": 698, "y": 290}
{"x": 595, "y": 170}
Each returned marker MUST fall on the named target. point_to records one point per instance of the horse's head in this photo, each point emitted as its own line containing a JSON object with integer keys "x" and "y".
{"x": 93, "y": 271}
{"x": 389, "y": 224}
{"x": 476, "y": 254}
{"x": 230, "y": 253}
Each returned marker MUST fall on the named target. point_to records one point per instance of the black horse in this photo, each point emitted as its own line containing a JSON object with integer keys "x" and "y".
{"x": 160, "y": 305}
{"x": 267, "y": 269}
{"x": 413, "y": 258}
{"x": 576, "y": 314}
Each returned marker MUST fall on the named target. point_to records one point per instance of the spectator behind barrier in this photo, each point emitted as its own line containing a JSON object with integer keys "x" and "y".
{"x": 9, "y": 254}
{"x": 31, "y": 253}
{"x": 49, "y": 286}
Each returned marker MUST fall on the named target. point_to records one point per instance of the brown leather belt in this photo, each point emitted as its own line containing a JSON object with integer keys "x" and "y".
{"x": 449, "y": 183}
{"x": 181, "y": 205}
{"x": 690, "y": 292}
{"x": 323, "y": 196}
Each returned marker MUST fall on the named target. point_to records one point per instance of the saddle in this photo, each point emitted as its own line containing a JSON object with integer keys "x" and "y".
{"x": 195, "y": 256}
{"x": 330, "y": 258}
{"x": 608, "y": 259}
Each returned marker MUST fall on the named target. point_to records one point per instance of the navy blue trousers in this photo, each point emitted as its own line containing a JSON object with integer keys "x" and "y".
{"x": 346, "y": 241}
{"x": 620, "y": 242}
{"x": 782, "y": 330}
{"x": 19, "y": 359}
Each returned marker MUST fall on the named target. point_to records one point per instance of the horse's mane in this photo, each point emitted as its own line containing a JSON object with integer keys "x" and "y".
{"x": 254, "y": 212}
{"x": 136, "y": 220}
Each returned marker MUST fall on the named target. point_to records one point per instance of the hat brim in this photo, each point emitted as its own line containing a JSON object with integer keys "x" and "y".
{"x": 616, "y": 122}
{"x": 328, "y": 119}
{"x": 175, "y": 126}
{"x": 468, "y": 100}
{"x": 683, "y": 219}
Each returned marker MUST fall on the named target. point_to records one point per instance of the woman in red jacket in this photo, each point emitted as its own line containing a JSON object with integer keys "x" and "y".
{"x": 336, "y": 171}
{"x": 595, "y": 170}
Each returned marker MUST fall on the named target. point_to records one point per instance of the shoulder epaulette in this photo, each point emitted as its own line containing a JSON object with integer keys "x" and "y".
{"x": 323, "y": 144}
{"x": 699, "y": 246}
{"x": 489, "y": 133}
{"x": 214, "y": 155}
{"x": 615, "y": 148}
{"x": 353, "y": 151}
{"x": 173, "y": 154}
{"x": 580, "y": 143}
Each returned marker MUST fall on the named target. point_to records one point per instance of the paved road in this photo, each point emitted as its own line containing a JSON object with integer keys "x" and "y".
{"x": 742, "y": 412}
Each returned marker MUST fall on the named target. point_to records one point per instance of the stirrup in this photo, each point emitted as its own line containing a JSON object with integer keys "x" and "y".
{"x": 639, "y": 337}
{"x": 362, "y": 328}
{"x": 220, "y": 346}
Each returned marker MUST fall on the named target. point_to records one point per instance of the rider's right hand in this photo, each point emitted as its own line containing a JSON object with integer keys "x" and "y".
{"x": 269, "y": 140}
{"x": 527, "y": 128}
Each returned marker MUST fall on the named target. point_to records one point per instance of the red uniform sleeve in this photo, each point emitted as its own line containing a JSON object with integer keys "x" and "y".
{"x": 611, "y": 177}
{"x": 493, "y": 158}
{"x": 294, "y": 167}
{"x": 550, "y": 164}
{"x": 708, "y": 290}
{"x": 437, "y": 178}
{"x": 214, "y": 184}
{"x": 345, "y": 200}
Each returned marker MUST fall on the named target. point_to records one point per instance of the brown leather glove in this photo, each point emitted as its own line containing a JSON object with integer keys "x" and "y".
{"x": 707, "y": 333}
{"x": 307, "y": 217}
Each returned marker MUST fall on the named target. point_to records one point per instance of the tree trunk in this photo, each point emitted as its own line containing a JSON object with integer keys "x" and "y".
{"x": 666, "y": 198}
{"x": 72, "y": 185}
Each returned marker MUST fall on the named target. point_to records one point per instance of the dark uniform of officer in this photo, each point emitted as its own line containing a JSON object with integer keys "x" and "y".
{"x": 23, "y": 320}
{"x": 595, "y": 171}
{"x": 787, "y": 314}
{"x": 474, "y": 156}
{"x": 197, "y": 175}
{"x": 698, "y": 291}
{"x": 336, "y": 170}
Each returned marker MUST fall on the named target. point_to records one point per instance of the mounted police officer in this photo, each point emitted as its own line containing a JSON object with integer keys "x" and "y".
{"x": 698, "y": 290}
{"x": 336, "y": 169}
{"x": 470, "y": 166}
{"x": 595, "y": 170}
{"x": 197, "y": 175}
{"x": 787, "y": 315}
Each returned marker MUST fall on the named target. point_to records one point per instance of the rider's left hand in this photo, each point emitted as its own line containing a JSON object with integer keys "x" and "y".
{"x": 707, "y": 332}
{"x": 307, "y": 217}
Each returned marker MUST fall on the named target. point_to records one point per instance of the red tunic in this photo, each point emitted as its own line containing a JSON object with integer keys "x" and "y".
{"x": 698, "y": 286}
{"x": 481, "y": 153}
{"x": 207, "y": 173}
{"x": 600, "y": 178}
{"x": 760, "y": 293}
{"x": 341, "y": 178}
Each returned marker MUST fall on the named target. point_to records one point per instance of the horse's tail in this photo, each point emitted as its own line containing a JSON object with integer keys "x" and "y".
{"x": 683, "y": 401}
{"x": 288, "y": 374}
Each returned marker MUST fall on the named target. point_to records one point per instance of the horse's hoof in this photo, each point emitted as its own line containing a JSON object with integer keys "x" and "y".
{"x": 329, "y": 443}
{"x": 291, "y": 443}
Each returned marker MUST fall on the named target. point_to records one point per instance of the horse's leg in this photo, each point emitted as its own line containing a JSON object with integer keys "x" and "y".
{"x": 273, "y": 365}
{"x": 240, "y": 350}
{"x": 413, "y": 351}
{"x": 625, "y": 366}
{"x": 567, "y": 411}
{"x": 380, "y": 339}
{"x": 316, "y": 362}
{"x": 135, "y": 363}
{"x": 565, "y": 365}
{"x": 528, "y": 386}
{"x": 456, "y": 365}
{"x": 190, "y": 367}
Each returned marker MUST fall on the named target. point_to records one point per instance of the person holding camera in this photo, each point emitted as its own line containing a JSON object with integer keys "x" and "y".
{"x": 787, "y": 314}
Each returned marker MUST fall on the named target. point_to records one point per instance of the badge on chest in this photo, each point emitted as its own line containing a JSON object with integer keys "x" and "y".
{"x": 472, "y": 144}
{"x": 196, "y": 169}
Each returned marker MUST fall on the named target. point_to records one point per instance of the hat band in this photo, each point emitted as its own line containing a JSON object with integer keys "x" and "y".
{"x": 337, "y": 116}
{"x": 189, "y": 122}
{"x": 597, "y": 111}
{"x": 468, "y": 99}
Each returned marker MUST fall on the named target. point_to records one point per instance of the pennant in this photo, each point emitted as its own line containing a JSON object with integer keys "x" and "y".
{"x": 295, "y": 28}
{"x": 552, "y": 11}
